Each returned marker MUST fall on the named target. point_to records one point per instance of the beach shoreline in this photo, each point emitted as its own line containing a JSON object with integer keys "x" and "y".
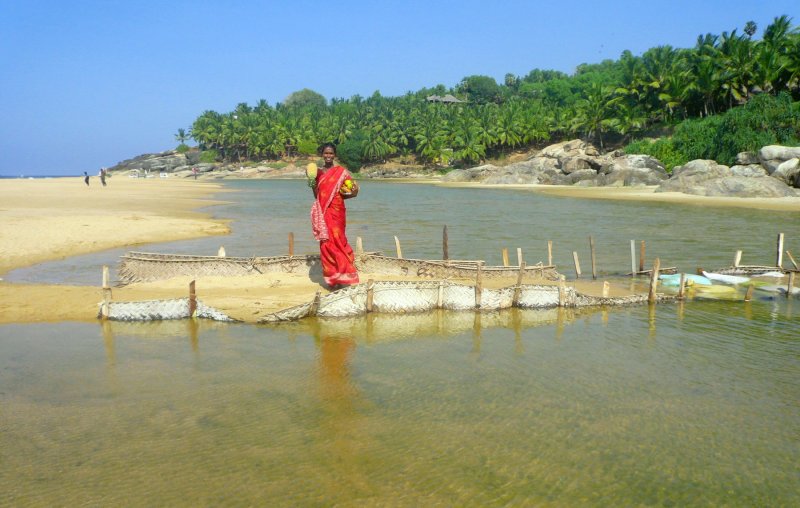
{"x": 50, "y": 219}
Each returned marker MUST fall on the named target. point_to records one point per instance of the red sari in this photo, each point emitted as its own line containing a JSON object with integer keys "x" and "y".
{"x": 328, "y": 221}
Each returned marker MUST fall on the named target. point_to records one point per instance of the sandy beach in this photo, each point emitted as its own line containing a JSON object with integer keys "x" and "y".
{"x": 50, "y": 219}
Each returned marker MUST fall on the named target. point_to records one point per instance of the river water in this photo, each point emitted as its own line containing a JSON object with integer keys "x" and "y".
{"x": 679, "y": 404}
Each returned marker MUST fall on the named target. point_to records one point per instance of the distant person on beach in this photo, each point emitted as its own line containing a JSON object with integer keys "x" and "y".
{"x": 194, "y": 172}
{"x": 103, "y": 176}
{"x": 86, "y": 178}
{"x": 332, "y": 185}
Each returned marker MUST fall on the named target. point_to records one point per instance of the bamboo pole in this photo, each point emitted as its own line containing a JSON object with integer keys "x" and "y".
{"x": 291, "y": 244}
{"x": 651, "y": 297}
{"x": 737, "y": 259}
{"x": 577, "y": 265}
{"x": 519, "y": 256}
{"x": 681, "y": 284}
{"x": 397, "y": 246}
{"x": 641, "y": 256}
{"x": 192, "y": 299}
{"x": 359, "y": 246}
{"x": 633, "y": 258}
{"x": 370, "y": 294}
{"x": 779, "y": 260}
{"x": 591, "y": 248}
{"x": 790, "y": 285}
{"x": 478, "y": 286}
{"x": 505, "y": 257}
{"x": 606, "y": 289}
{"x": 549, "y": 252}
{"x": 562, "y": 292}
{"x": 789, "y": 254}
{"x": 445, "y": 247}
{"x": 518, "y": 287}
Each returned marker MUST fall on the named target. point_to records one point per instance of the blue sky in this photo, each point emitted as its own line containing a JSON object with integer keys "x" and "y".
{"x": 85, "y": 84}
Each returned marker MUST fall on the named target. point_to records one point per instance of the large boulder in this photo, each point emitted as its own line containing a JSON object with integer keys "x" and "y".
{"x": 749, "y": 170}
{"x": 778, "y": 152}
{"x": 691, "y": 177}
{"x": 633, "y": 171}
{"x": 476, "y": 174}
{"x": 744, "y": 187}
{"x": 788, "y": 172}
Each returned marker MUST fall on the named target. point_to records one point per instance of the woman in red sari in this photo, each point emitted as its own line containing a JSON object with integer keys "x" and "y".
{"x": 329, "y": 219}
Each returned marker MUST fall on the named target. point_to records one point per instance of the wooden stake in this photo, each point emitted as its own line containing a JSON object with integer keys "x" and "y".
{"x": 518, "y": 287}
{"x": 681, "y": 283}
{"x": 505, "y": 257}
{"x": 790, "y": 285}
{"x": 591, "y": 248}
{"x": 549, "y": 252}
{"x": 370, "y": 287}
{"x": 562, "y": 292}
{"x": 792, "y": 260}
{"x": 577, "y": 265}
{"x": 478, "y": 286}
{"x": 192, "y": 300}
{"x": 359, "y": 246}
{"x": 749, "y": 294}
{"x": 221, "y": 251}
{"x": 399, "y": 250}
{"x": 291, "y": 244}
{"x": 445, "y": 248}
{"x": 519, "y": 256}
{"x": 737, "y": 259}
{"x": 606, "y": 289}
{"x": 779, "y": 260}
{"x": 440, "y": 295}
{"x": 641, "y": 256}
{"x": 651, "y": 297}
{"x": 633, "y": 258}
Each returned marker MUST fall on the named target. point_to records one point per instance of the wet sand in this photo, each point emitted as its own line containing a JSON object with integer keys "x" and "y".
{"x": 50, "y": 219}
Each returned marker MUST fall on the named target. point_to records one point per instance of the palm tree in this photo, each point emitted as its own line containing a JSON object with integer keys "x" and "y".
{"x": 181, "y": 136}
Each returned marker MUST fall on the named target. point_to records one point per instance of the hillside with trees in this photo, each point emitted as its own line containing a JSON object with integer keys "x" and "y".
{"x": 729, "y": 93}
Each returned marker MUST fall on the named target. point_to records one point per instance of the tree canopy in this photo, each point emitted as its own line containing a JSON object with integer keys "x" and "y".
{"x": 610, "y": 103}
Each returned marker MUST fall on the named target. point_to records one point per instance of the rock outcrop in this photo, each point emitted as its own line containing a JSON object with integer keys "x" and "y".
{"x": 572, "y": 162}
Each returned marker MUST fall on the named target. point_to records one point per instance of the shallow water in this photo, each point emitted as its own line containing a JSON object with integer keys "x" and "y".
{"x": 684, "y": 404}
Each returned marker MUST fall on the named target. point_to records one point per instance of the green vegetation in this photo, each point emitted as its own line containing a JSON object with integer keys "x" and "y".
{"x": 728, "y": 93}
{"x": 209, "y": 156}
{"x": 182, "y": 148}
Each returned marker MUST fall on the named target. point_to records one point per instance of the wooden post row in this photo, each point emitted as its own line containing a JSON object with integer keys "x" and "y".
{"x": 594, "y": 267}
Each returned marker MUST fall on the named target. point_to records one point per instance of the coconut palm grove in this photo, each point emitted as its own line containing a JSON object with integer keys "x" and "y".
{"x": 729, "y": 93}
